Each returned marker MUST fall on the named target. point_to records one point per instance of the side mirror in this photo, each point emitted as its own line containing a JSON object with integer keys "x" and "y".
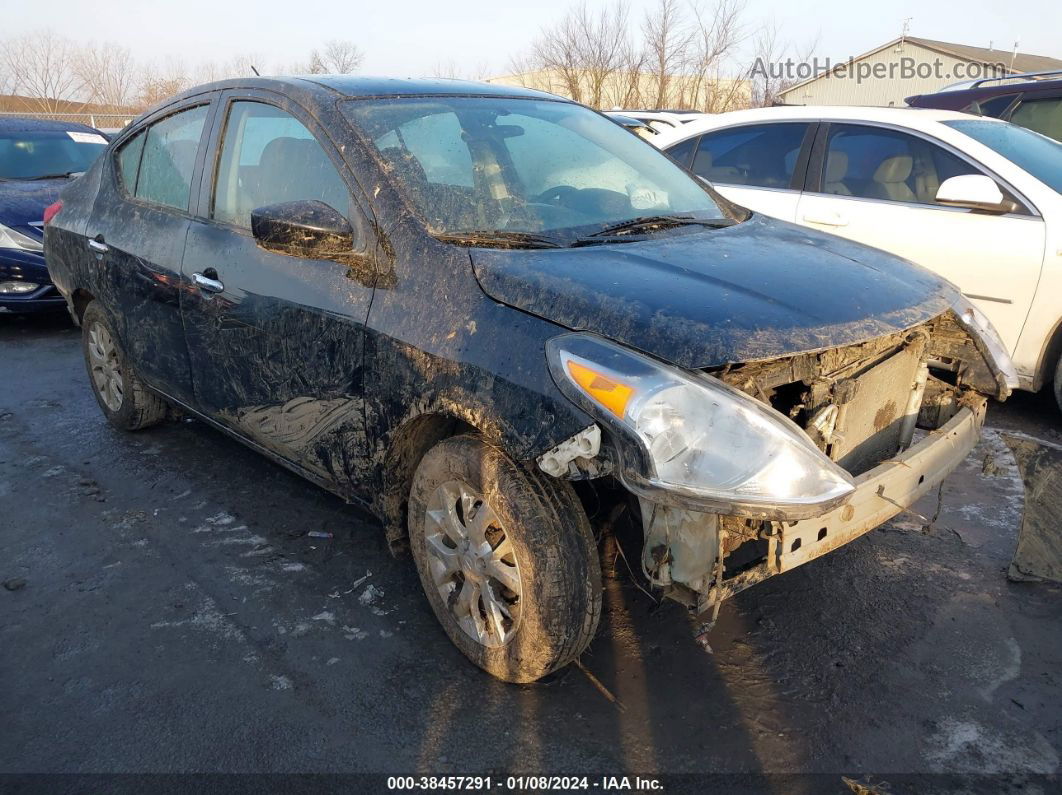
{"x": 310, "y": 229}
{"x": 974, "y": 192}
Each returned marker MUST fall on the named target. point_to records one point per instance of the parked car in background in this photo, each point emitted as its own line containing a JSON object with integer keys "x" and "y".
{"x": 659, "y": 120}
{"x": 976, "y": 200}
{"x": 453, "y": 302}
{"x": 37, "y": 159}
{"x": 639, "y": 128}
{"x": 1032, "y": 100}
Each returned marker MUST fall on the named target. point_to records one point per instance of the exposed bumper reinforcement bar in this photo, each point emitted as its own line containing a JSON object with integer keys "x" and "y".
{"x": 880, "y": 494}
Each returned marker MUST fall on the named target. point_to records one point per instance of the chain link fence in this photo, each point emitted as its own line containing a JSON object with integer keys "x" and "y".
{"x": 101, "y": 121}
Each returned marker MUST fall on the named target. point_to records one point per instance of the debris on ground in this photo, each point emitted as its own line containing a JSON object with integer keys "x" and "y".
{"x": 370, "y": 595}
{"x": 357, "y": 583}
{"x": 318, "y": 534}
{"x": 15, "y": 584}
{"x": 600, "y": 687}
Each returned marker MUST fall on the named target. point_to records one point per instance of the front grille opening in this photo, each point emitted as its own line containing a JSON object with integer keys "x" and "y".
{"x": 745, "y": 556}
{"x": 788, "y": 399}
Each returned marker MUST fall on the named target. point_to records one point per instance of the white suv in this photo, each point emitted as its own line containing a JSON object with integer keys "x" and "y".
{"x": 977, "y": 200}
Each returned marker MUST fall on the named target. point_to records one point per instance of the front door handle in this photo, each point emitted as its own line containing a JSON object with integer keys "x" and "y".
{"x": 96, "y": 244}
{"x": 208, "y": 281}
{"x": 826, "y": 219}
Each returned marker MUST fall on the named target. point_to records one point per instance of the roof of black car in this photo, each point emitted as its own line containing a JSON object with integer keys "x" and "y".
{"x": 25, "y": 123}
{"x": 357, "y": 86}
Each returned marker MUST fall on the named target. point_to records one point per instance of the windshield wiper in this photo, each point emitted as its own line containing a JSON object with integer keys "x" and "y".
{"x": 58, "y": 176}
{"x": 651, "y": 223}
{"x": 501, "y": 239}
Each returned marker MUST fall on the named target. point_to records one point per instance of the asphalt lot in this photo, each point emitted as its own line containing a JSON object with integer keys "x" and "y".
{"x": 176, "y": 618}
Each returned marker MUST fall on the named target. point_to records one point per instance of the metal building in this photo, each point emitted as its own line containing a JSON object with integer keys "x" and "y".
{"x": 906, "y": 66}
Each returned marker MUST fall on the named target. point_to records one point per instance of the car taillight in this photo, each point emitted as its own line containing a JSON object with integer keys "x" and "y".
{"x": 52, "y": 210}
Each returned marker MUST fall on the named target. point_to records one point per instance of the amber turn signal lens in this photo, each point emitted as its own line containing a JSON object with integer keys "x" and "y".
{"x": 610, "y": 393}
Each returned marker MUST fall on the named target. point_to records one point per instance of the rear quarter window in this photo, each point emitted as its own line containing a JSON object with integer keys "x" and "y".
{"x": 129, "y": 162}
{"x": 168, "y": 159}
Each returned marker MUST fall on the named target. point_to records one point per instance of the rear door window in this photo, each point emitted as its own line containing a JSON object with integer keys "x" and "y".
{"x": 1040, "y": 115}
{"x": 682, "y": 152}
{"x": 876, "y": 163}
{"x": 270, "y": 157}
{"x": 756, "y": 155}
{"x": 168, "y": 159}
{"x": 994, "y": 107}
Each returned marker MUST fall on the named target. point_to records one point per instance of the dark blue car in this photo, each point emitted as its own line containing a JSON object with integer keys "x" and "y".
{"x": 37, "y": 159}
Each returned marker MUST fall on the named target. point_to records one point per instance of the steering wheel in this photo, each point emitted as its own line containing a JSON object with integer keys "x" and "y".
{"x": 554, "y": 195}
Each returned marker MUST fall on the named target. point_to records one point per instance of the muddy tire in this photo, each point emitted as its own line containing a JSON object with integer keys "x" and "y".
{"x": 506, "y": 558}
{"x": 122, "y": 396}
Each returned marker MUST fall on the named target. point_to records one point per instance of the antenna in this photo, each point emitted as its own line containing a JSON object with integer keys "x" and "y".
{"x": 903, "y": 34}
{"x": 255, "y": 71}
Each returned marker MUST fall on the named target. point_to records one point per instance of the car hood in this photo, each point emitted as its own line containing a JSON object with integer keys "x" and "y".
{"x": 22, "y": 202}
{"x": 757, "y": 290}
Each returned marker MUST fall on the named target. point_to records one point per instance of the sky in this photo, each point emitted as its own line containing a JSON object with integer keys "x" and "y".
{"x": 478, "y": 37}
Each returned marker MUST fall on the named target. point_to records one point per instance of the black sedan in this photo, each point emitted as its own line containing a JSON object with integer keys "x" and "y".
{"x": 492, "y": 315}
{"x": 37, "y": 159}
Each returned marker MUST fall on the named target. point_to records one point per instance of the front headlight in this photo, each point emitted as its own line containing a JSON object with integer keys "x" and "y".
{"x": 9, "y": 238}
{"x": 700, "y": 442}
{"x": 975, "y": 322}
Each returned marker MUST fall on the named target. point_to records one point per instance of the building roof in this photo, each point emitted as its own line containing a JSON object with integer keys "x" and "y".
{"x": 1023, "y": 62}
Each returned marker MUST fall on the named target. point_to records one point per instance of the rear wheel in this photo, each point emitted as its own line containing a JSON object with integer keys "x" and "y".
{"x": 506, "y": 558}
{"x": 122, "y": 396}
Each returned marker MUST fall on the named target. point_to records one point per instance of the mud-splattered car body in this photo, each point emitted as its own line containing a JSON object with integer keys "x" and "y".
{"x": 347, "y": 369}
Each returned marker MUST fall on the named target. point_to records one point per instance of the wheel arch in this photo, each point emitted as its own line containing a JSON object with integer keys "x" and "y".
{"x": 1049, "y": 357}
{"x": 407, "y": 447}
{"x": 79, "y": 301}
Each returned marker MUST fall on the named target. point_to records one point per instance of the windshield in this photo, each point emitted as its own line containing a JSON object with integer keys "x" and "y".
{"x": 483, "y": 165}
{"x": 1039, "y": 155}
{"x": 36, "y": 154}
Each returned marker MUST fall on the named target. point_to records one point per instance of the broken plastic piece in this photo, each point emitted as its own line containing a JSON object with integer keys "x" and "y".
{"x": 584, "y": 445}
{"x": 318, "y": 534}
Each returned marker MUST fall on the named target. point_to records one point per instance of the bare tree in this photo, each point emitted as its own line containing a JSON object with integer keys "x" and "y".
{"x": 108, "y": 74}
{"x": 159, "y": 83}
{"x": 43, "y": 67}
{"x": 767, "y": 75}
{"x": 716, "y": 34}
{"x": 668, "y": 38}
{"x": 557, "y": 54}
{"x": 337, "y": 58}
{"x": 587, "y": 55}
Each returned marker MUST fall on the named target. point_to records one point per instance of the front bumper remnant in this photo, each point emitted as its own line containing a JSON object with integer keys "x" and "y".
{"x": 880, "y": 494}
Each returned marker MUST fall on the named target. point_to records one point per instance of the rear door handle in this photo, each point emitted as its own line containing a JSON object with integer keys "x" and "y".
{"x": 826, "y": 219}
{"x": 96, "y": 244}
{"x": 208, "y": 281}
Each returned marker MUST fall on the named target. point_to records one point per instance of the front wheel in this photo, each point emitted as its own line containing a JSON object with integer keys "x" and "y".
{"x": 506, "y": 558}
{"x": 123, "y": 398}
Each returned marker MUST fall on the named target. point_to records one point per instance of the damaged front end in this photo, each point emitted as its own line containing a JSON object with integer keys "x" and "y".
{"x": 748, "y": 470}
